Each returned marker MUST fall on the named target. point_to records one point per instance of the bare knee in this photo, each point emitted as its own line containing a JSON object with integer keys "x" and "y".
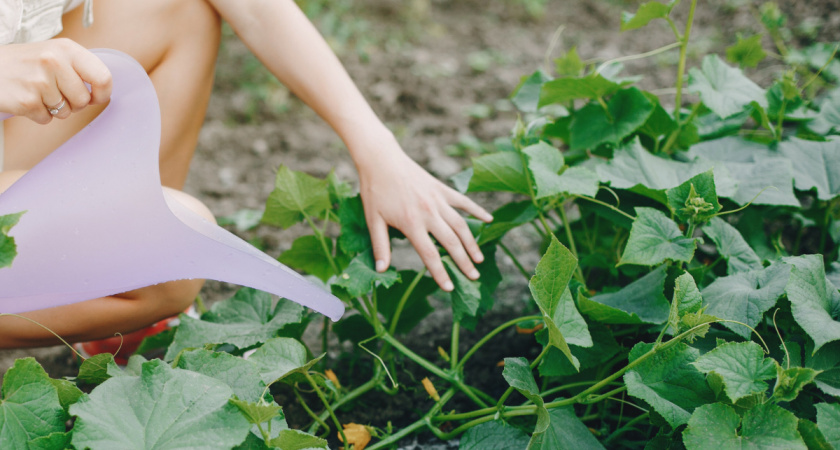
{"x": 192, "y": 17}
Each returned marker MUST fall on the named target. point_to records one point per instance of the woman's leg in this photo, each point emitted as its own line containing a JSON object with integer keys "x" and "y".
{"x": 176, "y": 41}
{"x": 102, "y": 317}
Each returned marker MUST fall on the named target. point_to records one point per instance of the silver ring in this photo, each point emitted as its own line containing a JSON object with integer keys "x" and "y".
{"x": 55, "y": 109}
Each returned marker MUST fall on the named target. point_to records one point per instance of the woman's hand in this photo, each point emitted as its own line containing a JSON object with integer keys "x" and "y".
{"x": 397, "y": 192}
{"x": 39, "y": 76}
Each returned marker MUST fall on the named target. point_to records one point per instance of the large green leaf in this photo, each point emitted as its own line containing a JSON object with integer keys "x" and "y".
{"x": 747, "y": 52}
{"x": 790, "y": 382}
{"x": 162, "y": 408}
{"x": 696, "y": 199}
{"x": 626, "y": 111}
{"x": 526, "y": 96}
{"x": 279, "y": 358}
{"x": 416, "y": 306}
{"x": 816, "y": 165}
{"x": 634, "y": 168}
{"x": 828, "y": 119}
{"x": 298, "y": 440}
{"x": 741, "y": 365}
{"x": 641, "y": 301}
{"x": 549, "y": 283}
{"x": 828, "y": 419}
{"x": 723, "y": 89}
{"x": 545, "y": 164}
{"x": 240, "y": 375}
{"x": 493, "y": 435}
{"x": 506, "y": 218}
{"x": 29, "y": 406}
{"x": 739, "y": 256}
{"x": 815, "y": 302}
{"x": 686, "y": 300}
{"x": 668, "y": 382}
{"x": 360, "y": 276}
{"x": 654, "y": 239}
{"x": 464, "y": 295}
{"x": 355, "y": 237}
{"x": 827, "y": 362}
{"x": 718, "y": 427}
{"x": 603, "y": 348}
{"x": 502, "y": 171}
{"x": 244, "y": 320}
{"x": 8, "y": 248}
{"x": 564, "y": 90}
{"x": 566, "y": 432}
{"x": 746, "y": 296}
{"x": 646, "y": 12}
{"x": 296, "y": 195}
{"x": 307, "y": 254}
{"x": 519, "y": 376}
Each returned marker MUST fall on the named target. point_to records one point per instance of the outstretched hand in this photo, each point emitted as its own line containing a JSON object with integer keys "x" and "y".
{"x": 397, "y": 192}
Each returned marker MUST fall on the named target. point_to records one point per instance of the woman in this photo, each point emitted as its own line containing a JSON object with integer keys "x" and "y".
{"x": 44, "y": 65}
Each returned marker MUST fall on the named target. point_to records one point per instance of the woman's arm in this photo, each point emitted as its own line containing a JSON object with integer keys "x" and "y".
{"x": 395, "y": 190}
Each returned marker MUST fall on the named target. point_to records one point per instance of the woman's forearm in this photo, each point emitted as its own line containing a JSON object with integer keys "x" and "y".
{"x": 288, "y": 44}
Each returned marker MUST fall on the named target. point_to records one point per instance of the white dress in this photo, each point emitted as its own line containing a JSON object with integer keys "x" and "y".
{"x": 23, "y": 21}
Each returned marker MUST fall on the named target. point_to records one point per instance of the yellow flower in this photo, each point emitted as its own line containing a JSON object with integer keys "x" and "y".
{"x": 357, "y": 435}
{"x": 331, "y": 376}
{"x": 430, "y": 388}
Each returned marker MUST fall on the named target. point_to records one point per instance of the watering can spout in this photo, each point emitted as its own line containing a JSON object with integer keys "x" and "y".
{"x": 99, "y": 223}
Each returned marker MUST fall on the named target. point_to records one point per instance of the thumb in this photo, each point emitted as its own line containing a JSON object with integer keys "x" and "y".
{"x": 380, "y": 241}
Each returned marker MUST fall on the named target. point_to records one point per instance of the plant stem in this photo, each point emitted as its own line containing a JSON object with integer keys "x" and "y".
{"x": 350, "y": 396}
{"x": 572, "y": 246}
{"x": 653, "y": 52}
{"x": 318, "y": 420}
{"x": 626, "y": 427}
{"x": 326, "y": 405}
{"x": 515, "y": 261}
{"x": 594, "y": 200}
{"x": 609, "y": 394}
{"x": 672, "y": 138}
{"x": 490, "y": 335}
{"x": 453, "y": 352}
{"x": 395, "y": 319}
{"x": 422, "y": 422}
{"x": 681, "y": 66}
{"x": 320, "y": 235}
{"x": 325, "y": 335}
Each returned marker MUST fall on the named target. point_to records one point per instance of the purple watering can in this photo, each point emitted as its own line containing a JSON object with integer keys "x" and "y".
{"x": 97, "y": 222}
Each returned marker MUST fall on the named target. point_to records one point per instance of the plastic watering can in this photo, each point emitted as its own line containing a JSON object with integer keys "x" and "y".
{"x": 98, "y": 223}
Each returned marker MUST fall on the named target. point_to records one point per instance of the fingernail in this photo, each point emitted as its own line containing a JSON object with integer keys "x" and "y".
{"x": 474, "y": 274}
{"x": 448, "y": 286}
{"x": 380, "y": 265}
{"x": 478, "y": 257}
{"x": 488, "y": 217}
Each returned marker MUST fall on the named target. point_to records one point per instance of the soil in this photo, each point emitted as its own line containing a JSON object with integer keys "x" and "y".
{"x": 424, "y": 65}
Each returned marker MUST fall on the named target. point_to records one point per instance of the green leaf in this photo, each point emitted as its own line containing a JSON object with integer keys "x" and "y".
{"x": 240, "y": 375}
{"x": 816, "y": 165}
{"x": 827, "y": 361}
{"x": 564, "y": 90}
{"x": 668, "y": 382}
{"x": 244, "y": 320}
{"x": 355, "y": 237}
{"x": 603, "y": 348}
{"x": 500, "y": 171}
{"x": 339, "y": 190}
{"x": 569, "y": 64}
{"x": 660, "y": 122}
{"x": 67, "y": 391}
{"x": 526, "y": 96}
{"x": 828, "y": 119}
{"x": 258, "y": 412}
{"x": 746, "y": 296}
{"x": 506, "y": 218}
{"x": 548, "y": 285}
{"x": 94, "y": 370}
{"x": 747, "y": 52}
{"x": 566, "y": 432}
{"x": 765, "y": 182}
{"x": 296, "y": 195}
{"x": 354, "y": 328}
{"x": 696, "y": 199}
{"x": 687, "y": 299}
{"x": 815, "y": 302}
{"x": 592, "y": 126}
{"x": 53, "y": 441}
{"x": 493, "y": 435}
{"x": 307, "y": 254}
{"x": 416, "y": 306}
{"x": 641, "y": 301}
{"x": 8, "y": 248}
{"x": 517, "y": 373}
{"x": 281, "y": 357}
{"x": 646, "y": 12}
{"x": 723, "y": 89}
{"x": 161, "y": 408}
{"x": 654, "y": 238}
{"x": 636, "y": 169}
{"x": 466, "y": 297}
{"x": 29, "y": 406}
{"x": 812, "y": 436}
{"x": 828, "y": 419}
{"x": 360, "y": 276}
{"x": 741, "y": 365}
{"x": 789, "y": 382}
{"x": 487, "y": 284}
{"x": 718, "y": 427}
{"x": 739, "y": 256}
{"x": 297, "y": 440}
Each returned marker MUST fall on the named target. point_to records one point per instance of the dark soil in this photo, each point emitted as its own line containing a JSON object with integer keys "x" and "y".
{"x": 424, "y": 65}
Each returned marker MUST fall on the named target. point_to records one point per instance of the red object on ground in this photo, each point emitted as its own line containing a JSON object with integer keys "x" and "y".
{"x": 127, "y": 344}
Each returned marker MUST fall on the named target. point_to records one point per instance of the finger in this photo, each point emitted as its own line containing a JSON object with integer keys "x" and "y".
{"x": 464, "y": 203}
{"x": 72, "y": 88}
{"x": 53, "y": 100}
{"x": 459, "y": 226}
{"x": 450, "y": 241}
{"x": 379, "y": 240}
{"x": 35, "y": 109}
{"x": 431, "y": 258}
{"x": 94, "y": 72}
